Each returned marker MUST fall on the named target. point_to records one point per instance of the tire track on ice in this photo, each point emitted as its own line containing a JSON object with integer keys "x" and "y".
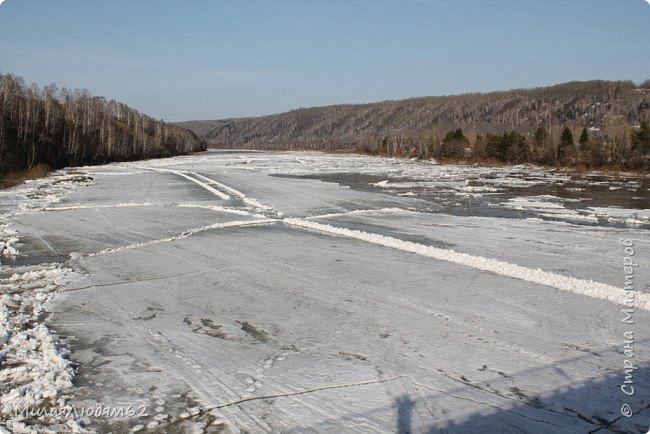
{"x": 185, "y": 175}
{"x": 247, "y": 200}
{"x": 206, "y": 184}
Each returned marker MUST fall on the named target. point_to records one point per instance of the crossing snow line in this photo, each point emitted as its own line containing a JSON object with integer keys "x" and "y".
{"x": 186, "y": 234}
{"x": 102, "y": 206}
{"x": 218, "y": 208}
{"x": 538, "y": 276}
{"x": 215, "y": 208}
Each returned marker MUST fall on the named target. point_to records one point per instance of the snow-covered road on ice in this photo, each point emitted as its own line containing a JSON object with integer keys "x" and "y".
{"x": 216, "y": 294}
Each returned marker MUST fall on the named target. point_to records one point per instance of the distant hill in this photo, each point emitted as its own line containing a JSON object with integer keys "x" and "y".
{"x": 575, "y": 105}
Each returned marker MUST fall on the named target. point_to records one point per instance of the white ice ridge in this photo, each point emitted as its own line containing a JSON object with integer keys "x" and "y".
{"x": 186, "y": 234}
{"x": 100, "y": 206}
{"x": 363, "y": 212}
{"x": 216, "y": 208}
{"x": 538, "y": 276}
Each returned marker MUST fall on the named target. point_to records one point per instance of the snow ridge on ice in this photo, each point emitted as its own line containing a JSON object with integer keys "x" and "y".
{"x": 186, "y": 234}
{"x": 538, "y": 276}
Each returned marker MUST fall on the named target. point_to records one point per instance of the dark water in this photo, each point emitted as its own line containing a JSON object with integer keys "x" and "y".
{"x": 577, "y": 192}
{"x": 23, "y": 260}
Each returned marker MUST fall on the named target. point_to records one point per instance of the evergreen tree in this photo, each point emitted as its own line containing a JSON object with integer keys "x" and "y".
{"x": 584, "y": 138}
{"x": 566, "y": 138}
{"x": 454, "y": 144}
{"x": 566, "y": 143}
{"x": 454, "y": 135}
{"x": 641, "y": 138}
{"x": 541, "y": 137}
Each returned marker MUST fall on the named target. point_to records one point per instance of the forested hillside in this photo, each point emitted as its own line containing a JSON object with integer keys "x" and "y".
{"x": 70, "y": 127}
{"x": 606, "y": 123}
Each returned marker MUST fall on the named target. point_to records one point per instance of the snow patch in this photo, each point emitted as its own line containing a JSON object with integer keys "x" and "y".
{"x": 479, "y": 189}
{"x": 35, "y": 372}
{"x": 8, "y": 238}
{"x": 523, "y": 203}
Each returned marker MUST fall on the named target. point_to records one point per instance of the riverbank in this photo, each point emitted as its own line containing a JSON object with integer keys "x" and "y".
{"x": 15, "y": 177}
{"x": 613, "y": 170}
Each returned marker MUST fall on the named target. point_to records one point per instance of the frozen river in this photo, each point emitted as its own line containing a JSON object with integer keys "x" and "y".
{"x": 307, "y": 292}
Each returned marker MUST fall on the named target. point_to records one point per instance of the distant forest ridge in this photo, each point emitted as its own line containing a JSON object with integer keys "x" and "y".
{"x": 612, "y": 114}
{"x": 57, "y": 128}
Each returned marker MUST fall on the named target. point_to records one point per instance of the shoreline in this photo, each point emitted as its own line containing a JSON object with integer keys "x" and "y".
{"x": 605, "y": 170}
{"x": 42, "y": 170}
{"x": 39, "y": 171}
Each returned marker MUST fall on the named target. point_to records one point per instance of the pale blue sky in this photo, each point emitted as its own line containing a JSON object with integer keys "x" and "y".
{"x": 211, "y": 59}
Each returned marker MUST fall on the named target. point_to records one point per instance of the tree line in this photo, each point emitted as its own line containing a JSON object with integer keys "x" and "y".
{"x": 574, "y": 105}
{"x": 64, "y": 127}
{"x": 618, "y": 145}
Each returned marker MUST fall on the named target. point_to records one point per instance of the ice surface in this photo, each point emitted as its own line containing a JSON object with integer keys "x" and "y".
{"x": 221, "y": 290}
{"x": 622, "y": 214}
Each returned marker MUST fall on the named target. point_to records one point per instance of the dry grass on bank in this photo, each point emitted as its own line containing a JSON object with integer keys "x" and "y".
{"x": 15, "y": 177}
